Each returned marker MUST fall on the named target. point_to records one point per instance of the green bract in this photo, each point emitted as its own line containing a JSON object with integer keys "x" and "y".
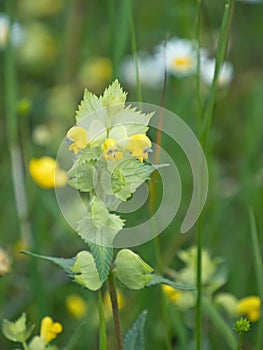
{"x": 132, "y": 271}
{"x": 85, "y": 270}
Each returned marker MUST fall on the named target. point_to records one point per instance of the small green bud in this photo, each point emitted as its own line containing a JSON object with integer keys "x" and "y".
{"x": 86, "y": 273}
{"x": 242, "y": 325}
{"x": 132, "y": 271}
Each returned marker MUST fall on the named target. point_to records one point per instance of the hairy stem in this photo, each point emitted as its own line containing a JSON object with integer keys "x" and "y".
{"x": 115, "y": 310}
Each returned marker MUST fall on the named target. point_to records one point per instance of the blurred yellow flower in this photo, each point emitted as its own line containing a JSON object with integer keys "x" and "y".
{"x": 96, "y": 73}
{"x": 172, "y": 294}
{"x": 46, "y": 172}
{"x": 5, "y": 262}
{"x": 49, "y": 329}
{"x": 107, "y": 302}
{"x": 139, "y": 145}
{"x": 250, "y": 307}
{"x": 76, "y": 306}
{"x": 79, "y": 138}
{"x": 110, "y": 150}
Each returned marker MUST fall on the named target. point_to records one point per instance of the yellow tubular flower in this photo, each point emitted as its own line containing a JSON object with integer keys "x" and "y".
{"x": 250, "y": 307}
{"x": 79, "y": 138}
{"x": 46, "y": 172}
{"x": 49, "y": 329}
{"x": 110, "y": 150}
{"x": 76, "y": 306}
{"x": 139, "y": 145}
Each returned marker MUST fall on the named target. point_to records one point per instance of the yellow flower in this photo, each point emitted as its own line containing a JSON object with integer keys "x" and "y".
{"x": 110, "y": 150}
{"x": 79, "y": 138}
{"x": 49, "y": 329}
{"x": 5, "y": 263}
{"x": 76, "y": 306}
{"x": 46, "y": 172}
{"x": 139, "y": 145}
{"x": 250, "y": 307}
{"x": 172, "y": 294}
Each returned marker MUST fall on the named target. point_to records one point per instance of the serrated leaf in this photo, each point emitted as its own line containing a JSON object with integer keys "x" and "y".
{"x": 134, "y": 339}
{"x": 17, "y": 331}
{"x": 99, "y": 226}
{"x": 89, "y": 105}
{"x": 134, "y": 121}
{"x": 114, "y": 95}
{"x": 103, "y": 259}
{"x": 81, "y": 176}
{"x": 162, "y": 280}
{"x": 65, "y": 264}
{"x": 85, "y": 270}
{"x": 128, "y": 175}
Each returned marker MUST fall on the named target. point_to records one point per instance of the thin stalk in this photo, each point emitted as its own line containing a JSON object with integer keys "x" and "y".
{"x": 102, "y": 326}
{"x": 134, "y": 52}
{"x": 115, "y": 310}
{"x": 199, "y": 298}
{"x": 25, "y": 345}
{"x": 204, "y": 134}
{"x": 221, "y": 52}
{"x": 239, "y": 341}
{"x": 198, "y": 40}
{"x": 13, "y": 139}
{"x": 259, "y": 273}
{"x": 220, "y": 324}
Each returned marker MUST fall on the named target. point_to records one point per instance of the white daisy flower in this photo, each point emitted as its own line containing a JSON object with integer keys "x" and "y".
{"x": 16, "y": 32}
{"x": 180, "y": 56}
{"x": 207, "y": 70}
{"x": 151, "y": 71}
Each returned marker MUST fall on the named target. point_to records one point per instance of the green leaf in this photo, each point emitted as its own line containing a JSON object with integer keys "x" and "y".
{"x": 17, "y": 331}
{"x": 88, "y": 106}
{"x": 114, "y": 95}
{"x": 85, "y": 270}
{"x": 162, "y": 280}
{"x": 103, "y": 258}
{"x": 131, "y": 270}
{"x": 90, "y": 153}
{"x": 99, "y": 226}
{"x": 81, "y": 175}
{"x": 128, "y": 175}
{"x": 135, "y": 122}
{"x": 65, "y": 264}
{"x": 134, "y": 339}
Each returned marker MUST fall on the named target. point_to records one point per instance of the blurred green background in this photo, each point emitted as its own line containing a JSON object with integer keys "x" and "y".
{"x": 65, "y": 46}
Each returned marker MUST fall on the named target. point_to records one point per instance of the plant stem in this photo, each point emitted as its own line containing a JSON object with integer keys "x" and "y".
{"x": 259, "y": 273}
{"x": 13, "y": 140}
{"x": 25, "y": 345}
{"x": 239, "y": 342}
{"x": 134, "y": 52}
{"x": 103, "y": 334}
{"x": 204, "y": 134}
{"x": 115, "y": 310}
{"x": 220, "y": 324}
{"x": 198, "y": 39}
{"x": 220, "y": 56}
{"x": 198, "y": 317}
